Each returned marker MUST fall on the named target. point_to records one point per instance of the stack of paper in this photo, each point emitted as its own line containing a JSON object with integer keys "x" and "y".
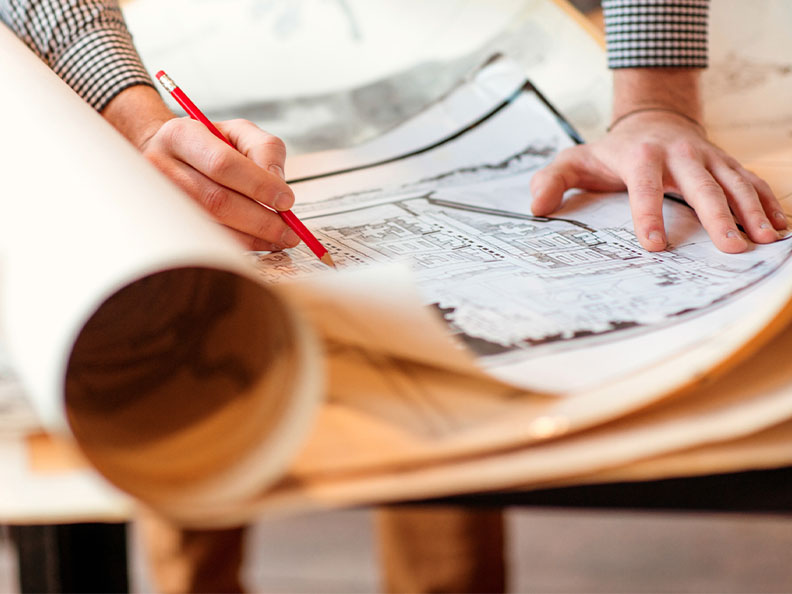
{"x": 464, "y": 345}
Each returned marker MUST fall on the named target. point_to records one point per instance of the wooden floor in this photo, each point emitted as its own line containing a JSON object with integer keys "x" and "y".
{"x": 550, "y": 552}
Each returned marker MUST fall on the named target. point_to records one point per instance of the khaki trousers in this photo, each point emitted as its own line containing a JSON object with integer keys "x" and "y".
{"x": 442, "y": 549}
{"x": 182, "y": 560}
{"x": 422, "y": 549}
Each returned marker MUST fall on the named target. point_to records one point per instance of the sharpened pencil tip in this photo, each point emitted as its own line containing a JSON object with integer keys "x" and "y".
{"x": 327, "y": 259}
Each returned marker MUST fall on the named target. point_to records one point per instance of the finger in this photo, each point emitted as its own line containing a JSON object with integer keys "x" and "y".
{"x": 745, "y": 203}
{"x": 645, "y": 189}
{"x": 706, "y": 197}
{"x": 548, "y": 186}
{"x": 193, "y": 144}
{"x": 574, "y": 167}
{"x": 253, "y": 244}
{"x": 232, "y": 209}
{"x": 770, "y": 204}
{"x": 264, "y": 149}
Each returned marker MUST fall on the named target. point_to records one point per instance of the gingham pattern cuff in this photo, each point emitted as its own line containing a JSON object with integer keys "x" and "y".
{"x": 656, "y": 33}
{"x": 101, "y": 64}
{"x": 85, "y": 42}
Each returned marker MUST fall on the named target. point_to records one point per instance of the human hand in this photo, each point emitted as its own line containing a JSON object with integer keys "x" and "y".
{"x": 233, "y": 185}
{"x": 656, "y": 145}
{"x": 653, "y": 152}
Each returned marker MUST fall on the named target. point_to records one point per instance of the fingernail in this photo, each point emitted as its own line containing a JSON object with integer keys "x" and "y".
{"x": 277, "y": 170}
{"x": 656, "y": 237}
{"x": 284, "y": 201}
{"x": 780, "y": 216}
{"x": 289, "y": 238}
{"x": 732, "y": 234}
{"x": 764, "y": 226}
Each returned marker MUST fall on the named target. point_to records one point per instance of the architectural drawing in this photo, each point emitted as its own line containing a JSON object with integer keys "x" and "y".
{"x": 512, "y": 286}
{"x": 507, "y": 282}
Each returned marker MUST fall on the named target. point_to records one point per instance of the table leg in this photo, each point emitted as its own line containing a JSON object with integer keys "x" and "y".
{"x": 72, "y": 558}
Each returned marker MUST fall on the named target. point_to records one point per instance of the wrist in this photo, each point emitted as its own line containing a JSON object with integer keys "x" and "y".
{"x": 137, "y": 113}
{"x": 660, "y": 110}
{"x": 674, "y": 90}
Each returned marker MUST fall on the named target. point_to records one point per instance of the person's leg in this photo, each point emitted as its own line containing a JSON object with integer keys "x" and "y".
{"x": 184, "y": 560}
{"x": 442, "y": 549}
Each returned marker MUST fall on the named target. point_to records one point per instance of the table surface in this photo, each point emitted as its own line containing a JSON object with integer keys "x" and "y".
{"x": 755, "y": 137}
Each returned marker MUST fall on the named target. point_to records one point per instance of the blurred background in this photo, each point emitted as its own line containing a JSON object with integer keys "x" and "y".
{"x": 333, "y": 73}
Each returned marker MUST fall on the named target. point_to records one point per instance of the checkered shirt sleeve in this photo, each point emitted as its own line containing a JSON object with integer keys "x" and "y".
{"x": 656, "y": 33}
{"x": 85, "y": 42}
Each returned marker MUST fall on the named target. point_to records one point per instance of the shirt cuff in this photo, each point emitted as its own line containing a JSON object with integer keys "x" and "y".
{"x": 656, "y": 33}
{"x": 101, "y": 64}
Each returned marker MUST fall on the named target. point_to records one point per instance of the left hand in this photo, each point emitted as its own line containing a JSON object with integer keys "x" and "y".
{"x": 651, "y": 153}
{"x": 656, "y": 146}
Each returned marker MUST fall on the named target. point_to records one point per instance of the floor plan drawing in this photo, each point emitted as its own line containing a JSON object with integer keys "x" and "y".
{"x": 507, "y": 282}
{"x": 526, "y": 160}
{"x": 512, "y": 286}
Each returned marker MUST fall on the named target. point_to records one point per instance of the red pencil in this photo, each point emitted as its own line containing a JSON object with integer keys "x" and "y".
{"x": 288, "y": 216}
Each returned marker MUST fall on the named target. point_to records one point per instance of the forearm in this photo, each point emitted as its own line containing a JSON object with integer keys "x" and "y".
{"x": 656, "y": 51}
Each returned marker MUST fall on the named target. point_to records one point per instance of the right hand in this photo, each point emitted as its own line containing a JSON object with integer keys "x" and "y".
{"x": 233, "y": 185}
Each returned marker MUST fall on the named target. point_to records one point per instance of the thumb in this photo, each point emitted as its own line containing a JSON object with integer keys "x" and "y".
{"x": 575, "y": 167}
{"x": 549, "y": 184}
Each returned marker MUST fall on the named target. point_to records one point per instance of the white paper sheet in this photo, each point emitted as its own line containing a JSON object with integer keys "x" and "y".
{"x": 534, "y": 297}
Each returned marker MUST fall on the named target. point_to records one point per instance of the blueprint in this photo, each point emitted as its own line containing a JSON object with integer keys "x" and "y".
{"x": 508, "y": 282}
{"x": 516, "y": 288}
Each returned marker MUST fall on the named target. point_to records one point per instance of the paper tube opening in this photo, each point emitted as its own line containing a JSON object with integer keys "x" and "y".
{"x": 181, "y": 377}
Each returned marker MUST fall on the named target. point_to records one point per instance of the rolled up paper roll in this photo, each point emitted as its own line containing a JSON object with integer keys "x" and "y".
{"x": 134, "y": 322}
